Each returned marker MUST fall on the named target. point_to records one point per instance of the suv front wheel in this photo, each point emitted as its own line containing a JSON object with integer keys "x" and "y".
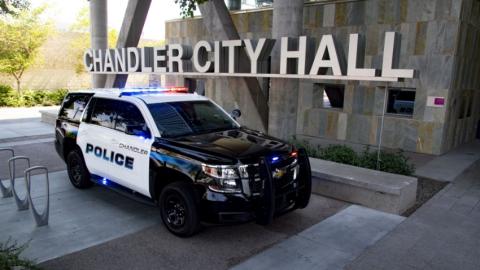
{"x": 179, "y": 210}
{"x": 77, "y": 170}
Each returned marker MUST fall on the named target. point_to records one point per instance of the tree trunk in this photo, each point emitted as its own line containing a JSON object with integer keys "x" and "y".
{"x": 17, "y": 79}
{"x": 19, "y": 91}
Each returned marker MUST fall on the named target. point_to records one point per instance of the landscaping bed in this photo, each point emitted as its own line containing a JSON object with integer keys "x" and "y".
{"x": 426, "y": 189}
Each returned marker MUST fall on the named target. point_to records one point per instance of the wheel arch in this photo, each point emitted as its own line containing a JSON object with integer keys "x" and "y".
{"x": 161, "y": 176}
{"x": 68, "y": 146}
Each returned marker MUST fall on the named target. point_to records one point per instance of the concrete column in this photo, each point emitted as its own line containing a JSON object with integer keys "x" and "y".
{"x": 283, "y": 101}
{"x": 129, "y": 36}
{"x": 98, "y": 34}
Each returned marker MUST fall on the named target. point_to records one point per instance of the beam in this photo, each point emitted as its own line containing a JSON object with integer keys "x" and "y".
{"x": 129, "y": 36}
{"x": 216, "y": 18}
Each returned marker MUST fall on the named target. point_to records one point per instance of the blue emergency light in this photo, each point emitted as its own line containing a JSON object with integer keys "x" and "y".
{"x": 144, "y": 91}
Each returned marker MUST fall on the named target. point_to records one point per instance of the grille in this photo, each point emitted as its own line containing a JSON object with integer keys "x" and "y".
{"x": 257, "y": 173}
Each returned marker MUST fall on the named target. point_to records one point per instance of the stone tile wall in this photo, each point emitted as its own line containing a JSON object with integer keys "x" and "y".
{"x": 431, "y": 42}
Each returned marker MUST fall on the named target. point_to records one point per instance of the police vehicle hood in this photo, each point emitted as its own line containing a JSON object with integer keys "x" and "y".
{"x": 230, "y": 146}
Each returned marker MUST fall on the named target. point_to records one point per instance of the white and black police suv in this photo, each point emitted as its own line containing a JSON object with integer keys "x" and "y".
{"x": 182, "y": 152}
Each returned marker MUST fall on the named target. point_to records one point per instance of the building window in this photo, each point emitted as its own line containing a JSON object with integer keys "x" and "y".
{"x": 401, "y": 101}
{"x": 333, "y": 96}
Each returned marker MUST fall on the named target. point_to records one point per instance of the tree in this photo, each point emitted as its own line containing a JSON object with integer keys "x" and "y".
{"x": 20, "y": 39}
{"x": 82, "y": 41}
{"x": 12, "y": 7}
{"x": 187, "y": 7}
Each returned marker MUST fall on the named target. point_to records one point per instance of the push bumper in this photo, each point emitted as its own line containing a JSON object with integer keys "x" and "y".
{"x": 279, "y": 195}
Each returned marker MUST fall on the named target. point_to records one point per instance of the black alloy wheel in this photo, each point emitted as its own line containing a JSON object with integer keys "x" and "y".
{"x": 179, "y": 209}
{"x": 77, "y": 170}
{"x": 175, "y": 210}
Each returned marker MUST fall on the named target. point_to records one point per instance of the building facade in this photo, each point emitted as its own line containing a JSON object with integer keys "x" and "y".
{"x": 433, "y": 113}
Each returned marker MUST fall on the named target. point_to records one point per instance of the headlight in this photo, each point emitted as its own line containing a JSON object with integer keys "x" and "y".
{"x": 223, "y": 178}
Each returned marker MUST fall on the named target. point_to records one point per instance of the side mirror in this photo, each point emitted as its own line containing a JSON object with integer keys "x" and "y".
{"x": 138, "y": 130}
{"x": 236, "y": 114}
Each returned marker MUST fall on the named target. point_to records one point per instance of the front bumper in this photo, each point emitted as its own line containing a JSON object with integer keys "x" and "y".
{"x": 219, "y": 207}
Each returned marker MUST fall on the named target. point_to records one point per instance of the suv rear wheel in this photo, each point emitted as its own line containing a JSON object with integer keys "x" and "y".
{"x": 77, "y": 170}
{"x": 179, "y": 210}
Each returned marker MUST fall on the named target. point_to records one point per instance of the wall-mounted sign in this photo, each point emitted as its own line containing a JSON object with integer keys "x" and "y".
{"x": 437, "y": 102}
{"x": 298, "y": 59}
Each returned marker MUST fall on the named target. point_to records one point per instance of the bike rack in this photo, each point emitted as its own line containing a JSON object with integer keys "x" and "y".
{"x": 21, "y": 204}
{"x": 40, "y": 219}
{"x": 6, "y": 191}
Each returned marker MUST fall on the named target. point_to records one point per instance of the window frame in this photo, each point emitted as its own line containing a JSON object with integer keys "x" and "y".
{"x": 400, "y": 89}
{"x": 79, "y": 95}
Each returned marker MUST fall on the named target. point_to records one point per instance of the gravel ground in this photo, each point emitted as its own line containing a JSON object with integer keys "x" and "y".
{"x": 427, "y": 188}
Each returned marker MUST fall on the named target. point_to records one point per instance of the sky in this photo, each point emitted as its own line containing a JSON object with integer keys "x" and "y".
{"x": 64, "y": 12}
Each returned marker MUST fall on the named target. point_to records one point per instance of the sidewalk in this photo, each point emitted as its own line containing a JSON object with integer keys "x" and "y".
{"x": 443, "y": 234}
{"x": 22, "y": 112}
{"x": 23, "y": 124}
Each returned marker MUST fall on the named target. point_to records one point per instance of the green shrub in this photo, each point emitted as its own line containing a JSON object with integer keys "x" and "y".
{"x": 6, "y": 92}
{"x": 57, "y": 96}
{"x": 10, "y": 256}
{"x": 396, "y": 163}
{"x": 312, "y": 151}
{"x": 30, "y": 98}
{"x": 340, "y": 153}
{"x": 389, "y": 162}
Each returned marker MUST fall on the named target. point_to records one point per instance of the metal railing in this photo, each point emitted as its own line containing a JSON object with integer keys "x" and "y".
{"x": 41, "y": 219}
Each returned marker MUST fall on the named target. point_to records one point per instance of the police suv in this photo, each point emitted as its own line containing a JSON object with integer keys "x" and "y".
{"x": 182, "y": 152}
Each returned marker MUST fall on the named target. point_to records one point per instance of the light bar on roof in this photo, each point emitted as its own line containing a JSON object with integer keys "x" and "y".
{"x": 143, "y": 91}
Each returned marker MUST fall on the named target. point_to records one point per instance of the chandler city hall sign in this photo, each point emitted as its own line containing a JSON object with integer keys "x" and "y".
{"x": 221, "y": 58}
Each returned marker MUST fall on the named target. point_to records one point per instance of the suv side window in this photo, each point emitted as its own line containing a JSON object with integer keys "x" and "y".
{"x": 115, "y": 114}
{"x": 128, "y": 115}
{"x": 73, "y": 106}
{"x": 103, "y": 113}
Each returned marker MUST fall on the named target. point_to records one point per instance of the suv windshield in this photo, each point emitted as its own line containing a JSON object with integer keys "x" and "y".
{"x": 175, "y": 119}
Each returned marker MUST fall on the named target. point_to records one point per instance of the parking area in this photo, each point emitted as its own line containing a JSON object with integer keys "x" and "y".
{"x": 100, "y": 229}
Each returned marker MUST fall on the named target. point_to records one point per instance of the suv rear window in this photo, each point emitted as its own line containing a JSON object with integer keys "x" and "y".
{"x": 73, "y": 106}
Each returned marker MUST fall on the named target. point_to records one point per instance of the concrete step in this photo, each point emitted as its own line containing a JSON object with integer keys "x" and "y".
{"x": 383, "y": 191}
{"x": 49, "y": 116}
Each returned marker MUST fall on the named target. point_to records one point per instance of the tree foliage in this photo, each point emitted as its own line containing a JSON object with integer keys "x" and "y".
{"x": 187, "y": 7}
{"x": 82, "y": 41}
{"x": 20, "y": 40}
{"x": 13, "y": 7}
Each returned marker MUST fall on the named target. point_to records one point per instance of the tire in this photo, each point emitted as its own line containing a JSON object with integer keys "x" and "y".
{"x": 179, "y": 209}
{"x": 77, "y": 170}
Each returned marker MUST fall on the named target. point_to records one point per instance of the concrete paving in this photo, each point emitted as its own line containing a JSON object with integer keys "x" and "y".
{"x": 28, "y": 127}
{"x": 215, "y": 247}
{"x": 78, "y": 218}
{"x": 40, "y": 154}
{"x": 330, "y": 244}
{"x": 23, "y": 112}
{"x": 443, "y": 234}
{"x": 451, "y": 165}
